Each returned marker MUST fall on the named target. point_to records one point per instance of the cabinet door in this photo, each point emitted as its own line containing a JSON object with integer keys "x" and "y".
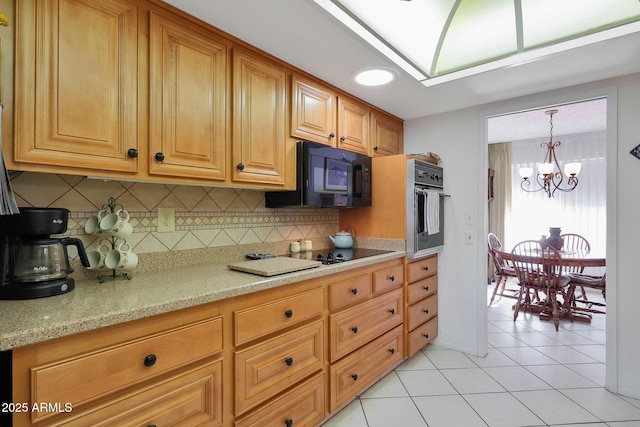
{"x": 187, "y": 131}
{"x": 353, "y": 126}
{"x": 259, "y": 121}
{"x": 386, "y": 134}
{"x": 76, "y": 92}
{"x": 313, "y": 112}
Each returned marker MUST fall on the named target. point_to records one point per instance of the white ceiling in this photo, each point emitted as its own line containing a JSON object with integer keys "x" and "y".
{"x": 571, "y": 119}
{"x": 301, "y": 33}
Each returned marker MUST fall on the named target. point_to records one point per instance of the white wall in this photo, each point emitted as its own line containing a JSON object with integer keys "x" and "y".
{"x": 459, "y": 137}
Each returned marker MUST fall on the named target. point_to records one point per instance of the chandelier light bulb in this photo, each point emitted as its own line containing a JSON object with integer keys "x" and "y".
{"x": 572, "y": 169}
{"x": 525, "y": 172}
{"x": 545, "y": 168}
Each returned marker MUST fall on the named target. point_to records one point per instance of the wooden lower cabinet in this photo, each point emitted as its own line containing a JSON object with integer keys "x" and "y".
{"x": 354, "y": 327}
{"x": 304, "y": 405}
{"x": 421, "y": 322}
{"x": 290, "y": 355}
{"x": 268, "y": 368}
{"x": 421, "y": 336}
{"x": 354, "y": 373}
{"x": 193, "y": 398}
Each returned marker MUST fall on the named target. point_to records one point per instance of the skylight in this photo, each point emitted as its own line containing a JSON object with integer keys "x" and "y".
{"x": 434, "y": 38}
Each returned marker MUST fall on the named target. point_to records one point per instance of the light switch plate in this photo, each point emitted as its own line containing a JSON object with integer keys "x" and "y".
{"x": 166, "y": 220}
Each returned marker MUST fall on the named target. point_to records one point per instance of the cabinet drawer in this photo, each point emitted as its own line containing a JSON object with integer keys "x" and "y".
{"x": 354, "y": 373}
{"x": 350, "y": 291}
{"x": 83, "y": 378}
{"x": 270, "y": 367}
{"x": 358, "y": 325}
{"x": 389, "y": 278}
{"x": 422, "y": 289}
{"x": 267, "y": 318}
{"x": 422, "y": 268}
{"x": 190, "y": 398}
{"x": 302, "y": 406}
{"x": 422, "y": 311}
{"x": 422, "y": 336}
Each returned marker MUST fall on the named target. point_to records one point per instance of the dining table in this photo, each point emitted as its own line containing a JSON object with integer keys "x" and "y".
{"x": 587, "y": 260}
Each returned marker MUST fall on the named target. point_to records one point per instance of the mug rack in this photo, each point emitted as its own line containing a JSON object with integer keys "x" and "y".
{"x": 113, "y": 241}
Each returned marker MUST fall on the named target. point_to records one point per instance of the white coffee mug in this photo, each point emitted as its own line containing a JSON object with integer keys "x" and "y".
{"x": 117, "y": 223}
{"x": 92, "y": 226}
{"x": 96, "y": 257}
{"x": 128, "y": 259}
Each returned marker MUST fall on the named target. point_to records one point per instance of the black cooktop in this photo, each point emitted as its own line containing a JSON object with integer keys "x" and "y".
{"x": 334, "y": 255}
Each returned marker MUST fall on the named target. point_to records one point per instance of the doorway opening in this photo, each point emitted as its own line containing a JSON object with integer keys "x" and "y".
{"x": 515, "y": 215}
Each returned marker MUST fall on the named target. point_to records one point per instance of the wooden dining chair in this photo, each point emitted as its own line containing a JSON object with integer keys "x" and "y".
{"x": 584, "y": 303}
{"x": 503, "y": 271}
{"x": 538, "y": 267}
{"x": 576, "y": 243}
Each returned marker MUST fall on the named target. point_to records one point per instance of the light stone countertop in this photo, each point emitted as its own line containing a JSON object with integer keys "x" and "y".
{"x": 92, "y": 305}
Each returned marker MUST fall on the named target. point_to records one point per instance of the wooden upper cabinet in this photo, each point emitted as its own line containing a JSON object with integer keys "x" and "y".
{"x": 386, "y": 134}
{"x": 260, "y": 142}
{"x": 353, "y": 125}
{"x": 76, "y": 87}
{"x": 313, "y": 112}
{"x": 187, "y": 130}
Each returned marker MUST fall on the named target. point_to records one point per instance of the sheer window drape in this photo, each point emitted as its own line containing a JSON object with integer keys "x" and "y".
{"x": 582, "y": 211}
{"x": 500, "y": 162}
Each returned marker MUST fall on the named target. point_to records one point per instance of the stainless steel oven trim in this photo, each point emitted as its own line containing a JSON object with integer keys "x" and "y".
{"x": 411, "y": 249}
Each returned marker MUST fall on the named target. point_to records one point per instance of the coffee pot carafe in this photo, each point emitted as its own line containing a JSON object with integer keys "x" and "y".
{"x": 32, "y": 263}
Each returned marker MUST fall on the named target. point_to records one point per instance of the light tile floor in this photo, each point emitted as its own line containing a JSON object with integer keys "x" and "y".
{"x": 532, "y": 376}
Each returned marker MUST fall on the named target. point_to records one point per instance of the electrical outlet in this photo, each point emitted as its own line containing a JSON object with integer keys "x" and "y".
{"x": 166, "y": 220}
{"x": 469, "y": 238}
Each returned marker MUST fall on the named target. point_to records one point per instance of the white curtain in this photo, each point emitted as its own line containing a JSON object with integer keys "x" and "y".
{"x": 582, "y": 211}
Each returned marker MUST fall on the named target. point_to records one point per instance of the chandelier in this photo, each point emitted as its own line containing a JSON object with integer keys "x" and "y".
{"x": 550, "y": 177}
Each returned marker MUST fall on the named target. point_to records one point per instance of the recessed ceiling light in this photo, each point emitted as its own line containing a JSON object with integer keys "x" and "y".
{"x": 374, "y": 76}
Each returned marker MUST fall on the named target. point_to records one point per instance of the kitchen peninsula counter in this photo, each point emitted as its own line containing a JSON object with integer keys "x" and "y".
{"x": 92, "y": 305}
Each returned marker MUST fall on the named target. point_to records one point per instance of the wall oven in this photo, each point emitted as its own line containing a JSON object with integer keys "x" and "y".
{"x": 425, "y": 208}
{"x": 407, "y": 204}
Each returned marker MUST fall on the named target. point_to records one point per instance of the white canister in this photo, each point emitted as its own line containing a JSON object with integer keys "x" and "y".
{"x": 295, "y": 247}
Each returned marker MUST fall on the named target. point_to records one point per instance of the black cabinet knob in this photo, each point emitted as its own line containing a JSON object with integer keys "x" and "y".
{"x": 425, "y": 268}
{"x": 426, "y": 288}
{"x": 392, "y": 311}
{"x": 426, "y": 311}
{"x": 392, "y": 278}
{"x": 159, "y": 156}
{"x": 392, "y": 350}
{"x": 375, "y": 148}
{"x": 343, "y": 138}
{"x": 151, "y": 425}
{"x": 426, "y": 336}
{"x": 354, "y": 291}
{"x": 332, "y": 135}
{"x": 288, "y": 422}
{"x": 150, "y": 360}
{"x": 289, "y": 361}
{"x": 288, "y": 314}
{"x": 132, "y": 152}
{"x": 240, "y": 166}
{"x": 354, "y": 376}
{"x": 355, "y": 329}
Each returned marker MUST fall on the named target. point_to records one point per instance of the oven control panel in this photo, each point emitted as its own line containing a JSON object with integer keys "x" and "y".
{"x": 428, "y": 175}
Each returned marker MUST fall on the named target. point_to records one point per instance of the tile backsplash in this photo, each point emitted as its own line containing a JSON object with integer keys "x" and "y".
{"x": 206, "y": 217}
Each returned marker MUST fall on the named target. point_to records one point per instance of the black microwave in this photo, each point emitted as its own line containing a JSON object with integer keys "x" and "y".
{"x": 326, "y": 177}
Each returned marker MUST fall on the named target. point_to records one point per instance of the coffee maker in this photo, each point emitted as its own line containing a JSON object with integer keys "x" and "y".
{"x": 33, "y": 264}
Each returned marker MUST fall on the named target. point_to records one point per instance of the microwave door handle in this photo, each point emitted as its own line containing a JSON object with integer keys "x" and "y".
{"x": 358, "y": 177}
